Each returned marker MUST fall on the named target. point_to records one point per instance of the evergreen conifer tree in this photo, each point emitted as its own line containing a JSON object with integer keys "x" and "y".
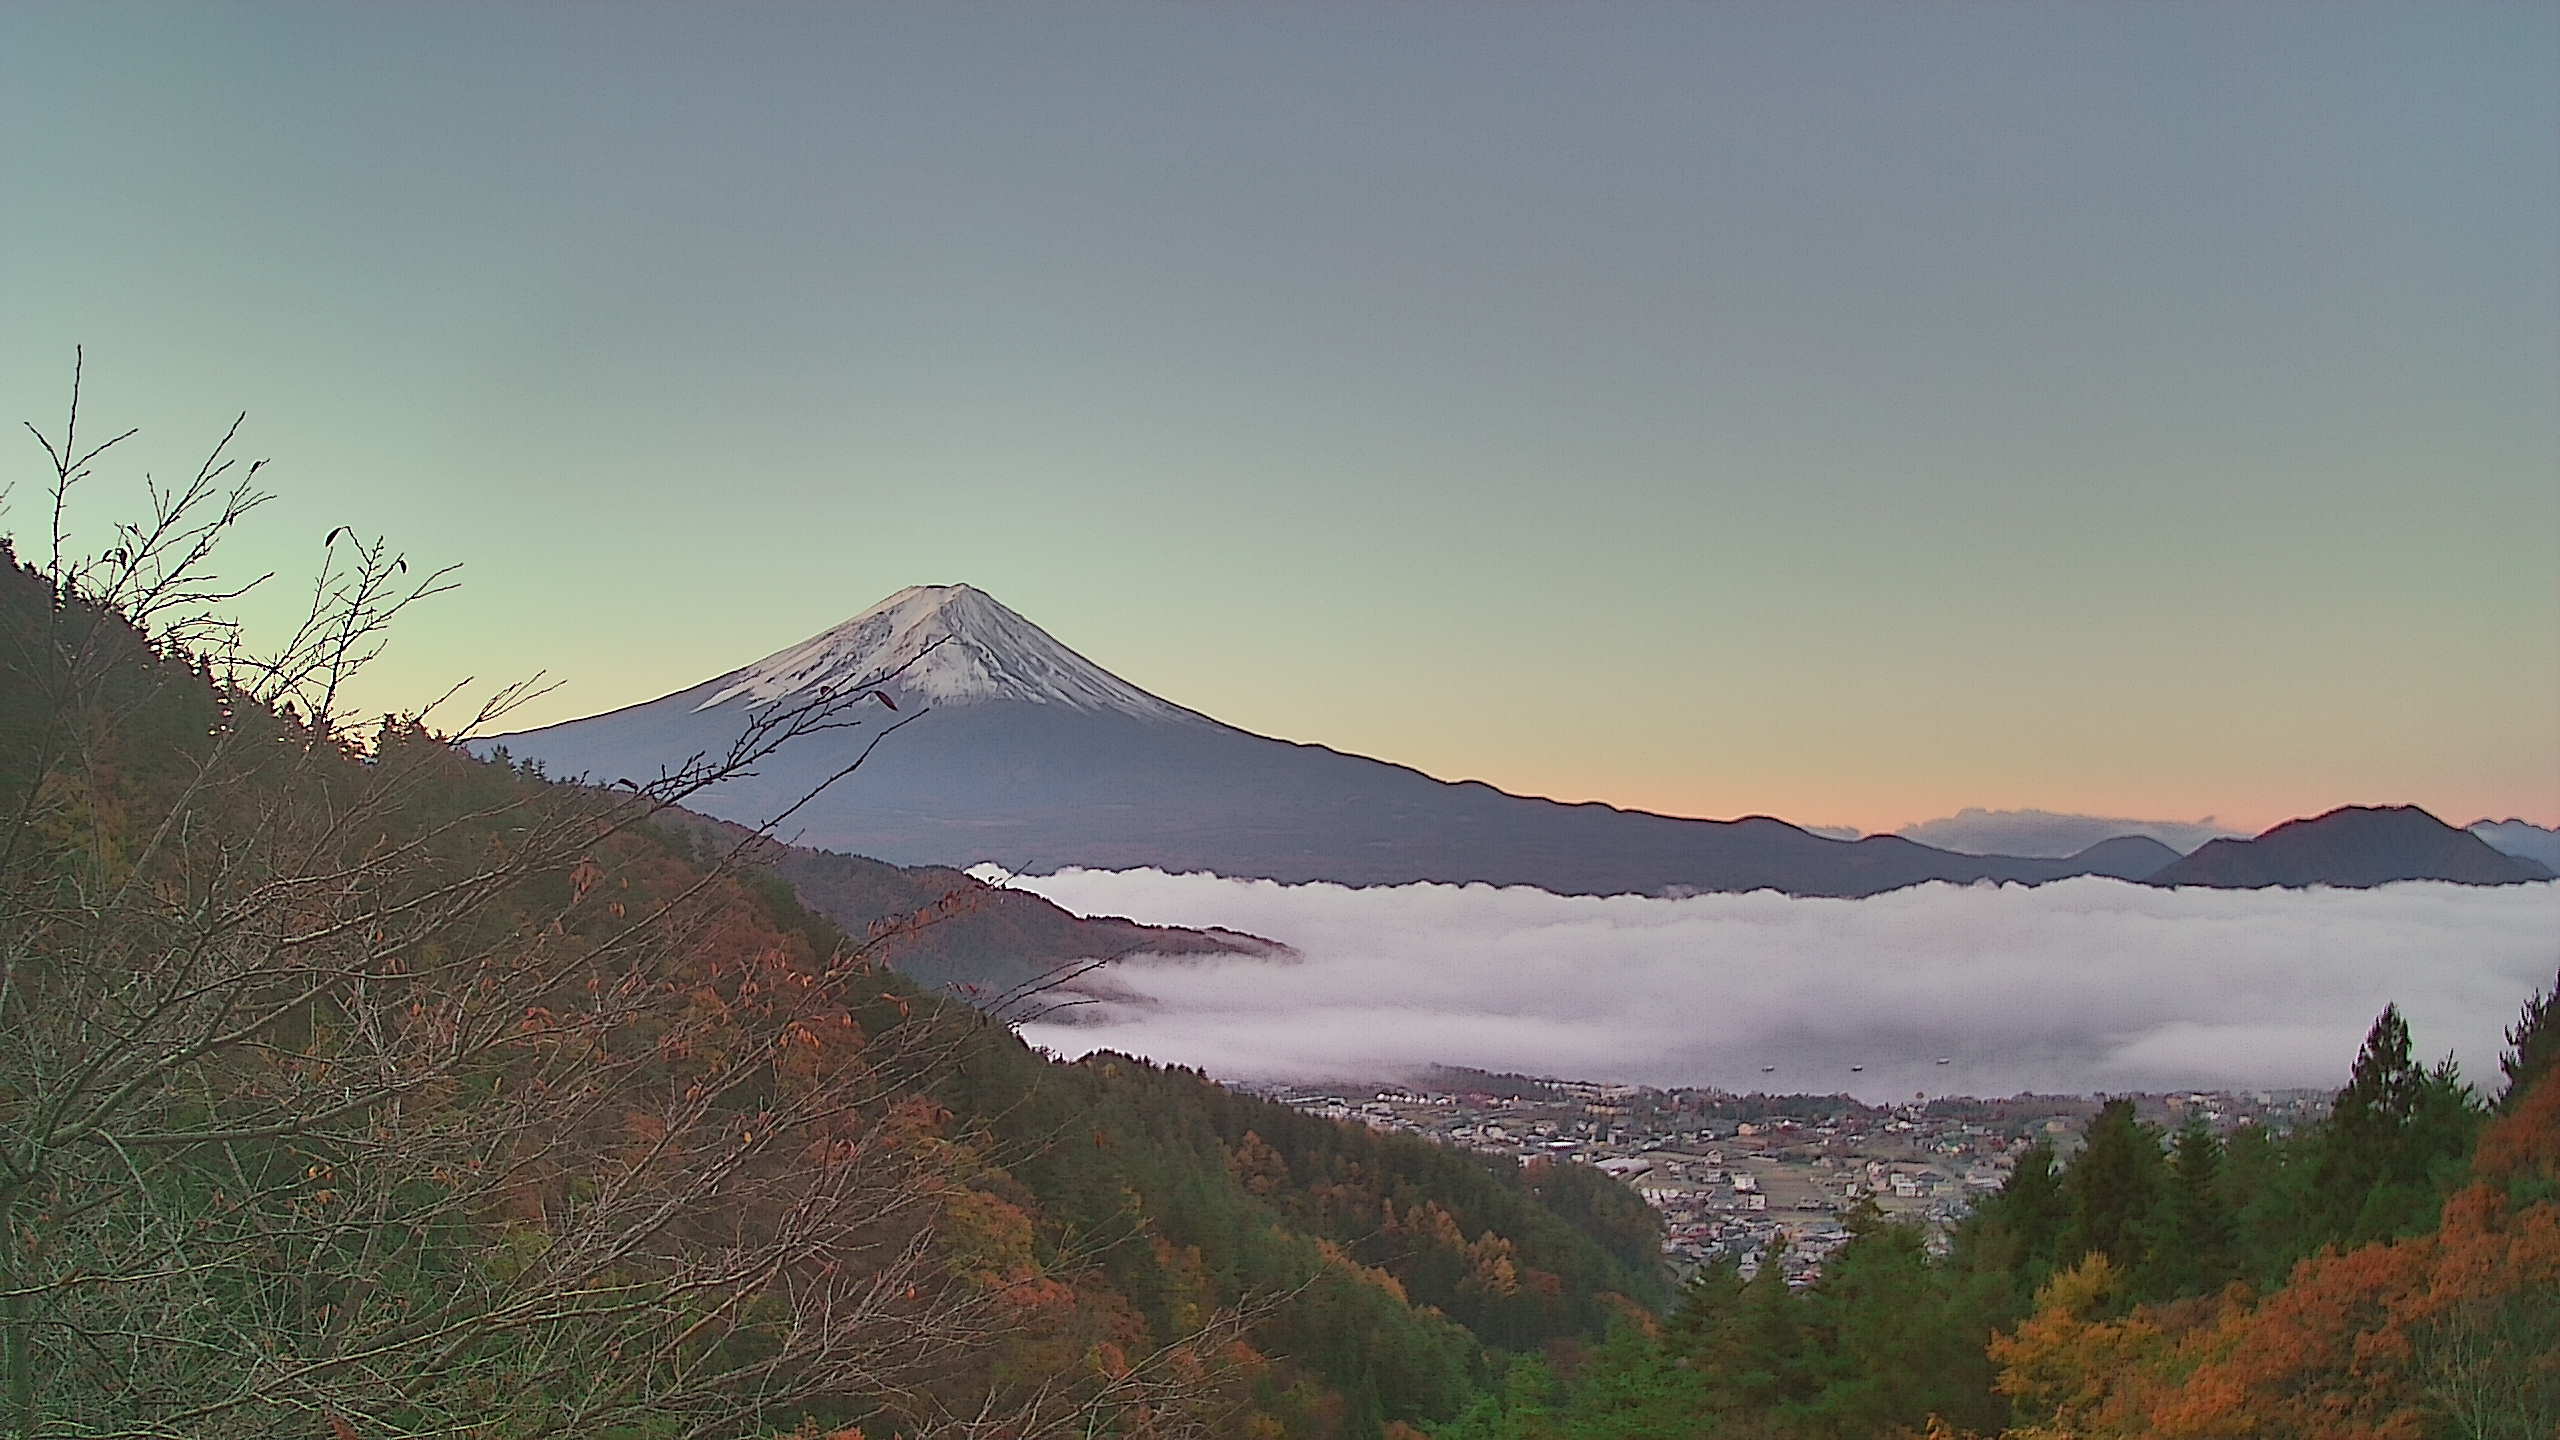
{"x": 2012, "y": 1235}
{"x": 2113, "y": 1184}
{"x": 2393, "y": 1143}
{"x": 2533, "y": 1045}
{"x": 2195, "y": 1241}
{"x": 2033, "y": 1206}
{"x": 1766, "y": 1359}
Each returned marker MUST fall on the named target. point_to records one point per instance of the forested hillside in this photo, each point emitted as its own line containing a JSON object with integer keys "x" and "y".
{"x": 2390, "y": 1274}
{"x": 355, "y": 1087}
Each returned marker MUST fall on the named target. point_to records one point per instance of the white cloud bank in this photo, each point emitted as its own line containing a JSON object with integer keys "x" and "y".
{"x": 2086, "y": 985}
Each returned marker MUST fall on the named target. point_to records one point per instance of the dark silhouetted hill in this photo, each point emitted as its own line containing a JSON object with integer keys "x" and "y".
{"x": 2353, "y": 847}
{"x": 948, "y": 930}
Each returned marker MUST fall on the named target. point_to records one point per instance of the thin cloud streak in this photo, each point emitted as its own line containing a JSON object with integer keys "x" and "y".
{"x": 2087, "y": 985}
{"x": 1976, "y": 831}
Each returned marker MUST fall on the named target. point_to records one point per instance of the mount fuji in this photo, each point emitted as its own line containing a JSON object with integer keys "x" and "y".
{"x": 1034, "y": 758}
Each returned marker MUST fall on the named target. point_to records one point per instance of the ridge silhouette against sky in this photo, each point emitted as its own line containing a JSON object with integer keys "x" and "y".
{"x": 1854, "y": 413}
{"x": 1977, "y": 831}
{"x": 1040, "y": 760}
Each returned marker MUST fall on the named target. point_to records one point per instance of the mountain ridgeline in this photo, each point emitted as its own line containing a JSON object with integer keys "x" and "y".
{"x": 2537, "y": 843}
{"x": 1036, "y": 759}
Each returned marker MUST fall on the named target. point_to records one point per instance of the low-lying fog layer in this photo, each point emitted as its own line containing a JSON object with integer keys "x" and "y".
{"x": 2085, "y": 985}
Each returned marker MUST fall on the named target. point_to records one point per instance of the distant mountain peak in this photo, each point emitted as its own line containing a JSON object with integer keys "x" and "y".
{"x": 2353, "y": 845}
{"x": 2522, "y": 839}
{"x": 2128, "y": 857}
{"x": 944, "y": 645}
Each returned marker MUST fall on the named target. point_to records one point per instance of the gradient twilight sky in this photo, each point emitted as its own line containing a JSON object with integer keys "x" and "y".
{"x": 1851, "y": 412}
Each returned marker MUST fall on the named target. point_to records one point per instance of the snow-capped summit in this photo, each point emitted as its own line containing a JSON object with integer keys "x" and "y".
{"x": 1037, "y": 759}
{"x": 986, "y": 652}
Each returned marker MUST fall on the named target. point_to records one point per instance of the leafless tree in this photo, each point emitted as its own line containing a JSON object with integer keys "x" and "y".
{"x": 350, "y": 1087}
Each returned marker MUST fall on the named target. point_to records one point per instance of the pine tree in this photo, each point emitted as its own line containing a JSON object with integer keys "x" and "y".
{"x": 2533, "y": 1046}
{"x": 2382, "y": 1090}
{"x": 2033, "y": 1205}
{"x": 2012, "y": 1235}
{"x": 2393, "y": 1143}
{"x": 2195, "y": 1242}
{"x": 1897, "y": 1343}
{"x": 2113, "y": 1184}
{"x": 2365, "y": 1121}
{"x": 1765, "y": 1362}
{"x": 1708, "y": 1304}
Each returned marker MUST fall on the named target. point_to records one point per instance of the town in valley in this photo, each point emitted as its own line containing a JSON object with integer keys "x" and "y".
{"x": 1743, "y": 1177}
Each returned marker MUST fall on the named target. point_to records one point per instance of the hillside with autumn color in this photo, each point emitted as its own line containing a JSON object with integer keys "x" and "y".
{"x": 2392, "y": 1273}
{"x": 360, "y": 1087}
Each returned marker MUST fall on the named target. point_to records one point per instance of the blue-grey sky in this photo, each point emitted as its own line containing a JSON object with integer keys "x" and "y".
{"x": 1848, "y": 412}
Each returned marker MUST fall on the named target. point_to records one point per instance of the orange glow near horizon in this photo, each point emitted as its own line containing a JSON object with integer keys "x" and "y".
{"x": 1875, "y": 810}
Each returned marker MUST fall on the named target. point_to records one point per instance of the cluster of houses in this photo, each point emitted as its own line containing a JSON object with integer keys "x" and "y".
{"x": 1746, "y": 1178}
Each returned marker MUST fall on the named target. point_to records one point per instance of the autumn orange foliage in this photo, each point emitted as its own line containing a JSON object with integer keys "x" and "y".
{"x": 2456, "y": 1331}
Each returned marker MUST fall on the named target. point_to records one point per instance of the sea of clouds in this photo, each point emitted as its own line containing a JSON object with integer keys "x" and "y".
{"x": 2086, "y": 985}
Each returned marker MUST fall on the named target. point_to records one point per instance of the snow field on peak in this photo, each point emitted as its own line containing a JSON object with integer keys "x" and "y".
{"x": 985, "y": 652}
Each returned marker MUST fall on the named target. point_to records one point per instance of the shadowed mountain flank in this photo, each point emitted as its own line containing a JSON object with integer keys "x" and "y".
{"x": 2354, "y": 846}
